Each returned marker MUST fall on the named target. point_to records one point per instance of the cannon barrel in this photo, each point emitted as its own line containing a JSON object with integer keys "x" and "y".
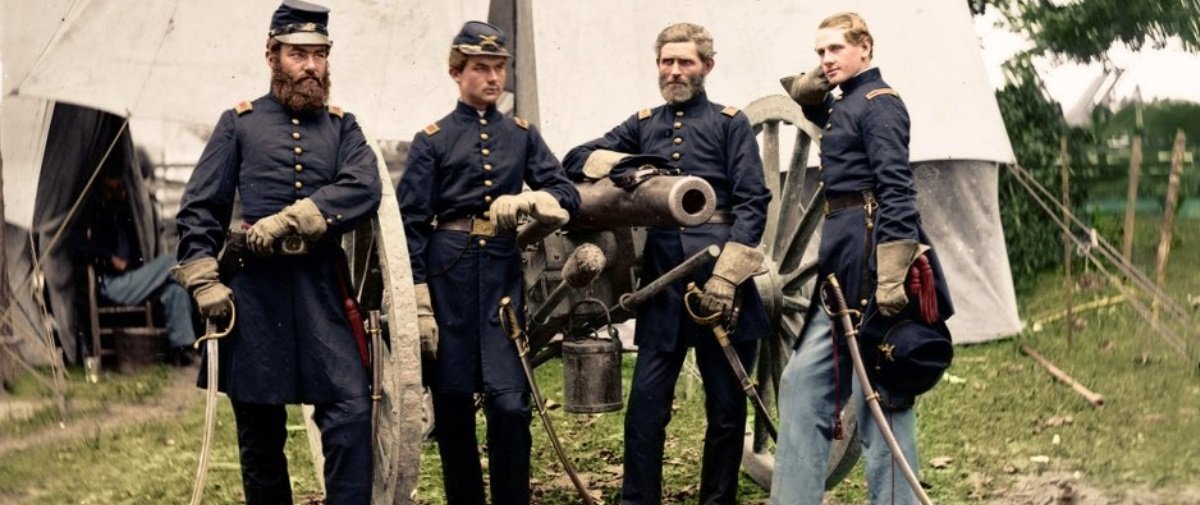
{"x": 658, "y": 201}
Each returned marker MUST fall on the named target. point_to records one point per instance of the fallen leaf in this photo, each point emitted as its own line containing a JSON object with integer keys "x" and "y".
{"x": 941, "y": 461}
{"x": 1040, "y": 459}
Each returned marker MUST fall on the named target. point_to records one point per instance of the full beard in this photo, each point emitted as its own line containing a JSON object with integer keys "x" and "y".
{"x": 676, "y": 92}
{"x": 310, "y": 93}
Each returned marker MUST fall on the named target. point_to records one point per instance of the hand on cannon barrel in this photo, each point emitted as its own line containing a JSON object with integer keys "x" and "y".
{"x": 426, "y": 324}
{"x": 302, "y": 218}
{"x": 200, "y": 278}
{"x": 736, "y": 264}
{"x": 505, "y": 213}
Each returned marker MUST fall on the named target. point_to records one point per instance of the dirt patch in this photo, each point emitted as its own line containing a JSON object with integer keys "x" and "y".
{"x": 1066, "y": 489}
{"x": 178, "y": 396}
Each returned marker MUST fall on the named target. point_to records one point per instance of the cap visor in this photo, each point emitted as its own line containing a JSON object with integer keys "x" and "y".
{"x": 304, "y": 39}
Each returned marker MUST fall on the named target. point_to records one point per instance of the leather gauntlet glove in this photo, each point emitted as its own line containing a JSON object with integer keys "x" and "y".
{"x": 892, "y": 260}
{"x": 601, "y": 162}
{"x": 200, "y": 278}
{"x": 807, "y": 89}
{"x": 736, "y": 264}
{"x": 426, "y": 324}
{"x": 506, "y": 211}
{"x": 545, "y": 208}
{"x": 302, "y": 218}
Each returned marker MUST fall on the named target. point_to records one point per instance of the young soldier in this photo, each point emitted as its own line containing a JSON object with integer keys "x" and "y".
{"x": 871, "y": 236}
{"x": 305, "y": 175}
{"x": 461, "y": 198}
{"x": 716, "y": 143}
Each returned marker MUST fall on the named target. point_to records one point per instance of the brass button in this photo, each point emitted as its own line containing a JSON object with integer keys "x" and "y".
{"x": 678, "y": 125}
{"x": 485, "y": 214}
{"x": 482, "y": 243}
{"x": 678, "y": 140}
{"x": 483, "y": 136}
{"x": 486, "y": 151}
{"x": 296, "y": 135}
{"x": 487, "y": 198}
{"x": 487, "y": 167}
{"x": 488, "y": 183}
{"x": 863, "y": 302}
{"x": 297, "y": 150}
{"x": 299, "y": 167}
{"x": 299, "y": 184}
{"x": 295, "y": 121}
{"x": 339, "y": 217}
{"x": 678, "y": 113}
{"x": 830, "y": 110}
{"x": 828, "y": 125}
{"x": 483, "y": 121}
{"x": 329, "y": 220}
{"x": 675, "y": 156}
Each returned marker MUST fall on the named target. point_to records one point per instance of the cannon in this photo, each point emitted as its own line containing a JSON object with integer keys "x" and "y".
{"x": 614, "y": 220}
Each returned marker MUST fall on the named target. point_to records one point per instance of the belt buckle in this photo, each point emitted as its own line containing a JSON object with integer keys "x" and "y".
{"x": 482, "y": 227}
{"x": 293, "y": 245}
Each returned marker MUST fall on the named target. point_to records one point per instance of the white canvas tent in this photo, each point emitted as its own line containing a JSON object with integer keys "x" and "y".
{"x": 187, "y": 60}
{"x": 595, "y": 67}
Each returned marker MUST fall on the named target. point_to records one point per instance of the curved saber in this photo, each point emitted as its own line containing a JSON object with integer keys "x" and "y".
{"x": 842, "y": 313}
{"x": 210, "y": 340}
{"x": 713, "y": 321}
{"x": 508, "y": 323}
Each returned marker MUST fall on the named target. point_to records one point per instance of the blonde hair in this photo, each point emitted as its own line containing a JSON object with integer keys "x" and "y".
{"x": 686, "y": 32}
{"x": 857, "y": 32}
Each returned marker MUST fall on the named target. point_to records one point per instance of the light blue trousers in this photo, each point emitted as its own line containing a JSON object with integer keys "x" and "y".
{"x": 135, "y": 286}
{"x": 807, "y": 395}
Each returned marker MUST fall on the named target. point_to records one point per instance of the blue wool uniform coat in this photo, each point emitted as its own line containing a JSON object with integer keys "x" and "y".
{"x": 292, "y": 342}
{"x": 455, "y": 169}
{"x": 715, "y": 143}
{"x": 864, "y": 147}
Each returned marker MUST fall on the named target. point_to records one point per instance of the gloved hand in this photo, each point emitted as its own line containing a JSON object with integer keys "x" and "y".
{"x": 426, "y": 324}
{"x": 601, "y": 162}
{"x": 302, "y": 217}
{"x": 200, "y": 277}
{"x": 807, "y": 89}
{"x": 736, "y": 264}
{"x": 545, "y": 209}
{"x": 506, "y": 211}
{"x": 892, "y": 261}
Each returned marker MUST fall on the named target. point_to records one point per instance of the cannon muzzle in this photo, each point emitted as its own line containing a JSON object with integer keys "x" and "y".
{"x": 659, "y": 201}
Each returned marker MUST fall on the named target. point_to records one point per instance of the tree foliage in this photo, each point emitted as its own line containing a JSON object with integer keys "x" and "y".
{"x": 1084, "y": 30}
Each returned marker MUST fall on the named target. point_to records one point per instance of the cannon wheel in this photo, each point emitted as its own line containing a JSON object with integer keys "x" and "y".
{"x": 790, "y": 246}
{"x": 379, "y": 266}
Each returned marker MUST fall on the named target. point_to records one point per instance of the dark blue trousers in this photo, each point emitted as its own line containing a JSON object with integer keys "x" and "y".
{"x": 508, "y": 441}
{"x": 345, "y": 438}
{"x": 653, "y": 390}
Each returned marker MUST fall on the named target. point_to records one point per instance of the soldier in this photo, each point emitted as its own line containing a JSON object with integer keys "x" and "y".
{"x": 715, "y": 142}
{"x": 461, "y": 198}
{"x": 305, "y": 175}
{"x": 870, "y": 238}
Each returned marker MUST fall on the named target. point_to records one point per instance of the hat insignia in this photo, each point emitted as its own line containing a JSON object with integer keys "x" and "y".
{"x": 489, "y": 40}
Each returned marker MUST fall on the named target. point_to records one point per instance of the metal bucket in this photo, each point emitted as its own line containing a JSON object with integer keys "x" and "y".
{"x": 592, "y": 371}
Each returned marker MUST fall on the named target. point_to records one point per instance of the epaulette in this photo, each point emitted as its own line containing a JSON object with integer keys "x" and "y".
{"x": 243, "y": 107}
{"x": 521, "y": 122}
{"x": 336, "y": 111}
{"x": 882, "y": 91}
{"x": 644, "y": 113}
{"x": 730, "y": 111}
{"x": 432, "y": 129}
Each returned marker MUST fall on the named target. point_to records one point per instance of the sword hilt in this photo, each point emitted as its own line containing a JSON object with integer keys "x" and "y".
{"x": 210, "y": 328}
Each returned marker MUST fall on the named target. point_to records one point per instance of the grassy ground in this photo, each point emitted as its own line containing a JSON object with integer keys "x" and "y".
{"x": 998, "y": 420}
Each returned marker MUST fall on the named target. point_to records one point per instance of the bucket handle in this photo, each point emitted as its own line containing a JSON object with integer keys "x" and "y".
{"x": 612, "y": 332}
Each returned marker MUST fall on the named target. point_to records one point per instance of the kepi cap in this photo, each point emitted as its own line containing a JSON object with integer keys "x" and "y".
{"x": 479, "y": 38}
{"x": 300, "y": 23}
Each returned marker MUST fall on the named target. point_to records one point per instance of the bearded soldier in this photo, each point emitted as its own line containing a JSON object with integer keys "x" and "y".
{"x": 716, "y": 143}
{"x": 305, "y": 175}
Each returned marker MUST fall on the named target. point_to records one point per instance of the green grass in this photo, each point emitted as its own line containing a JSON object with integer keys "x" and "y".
{"x": 997, "y": 411}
